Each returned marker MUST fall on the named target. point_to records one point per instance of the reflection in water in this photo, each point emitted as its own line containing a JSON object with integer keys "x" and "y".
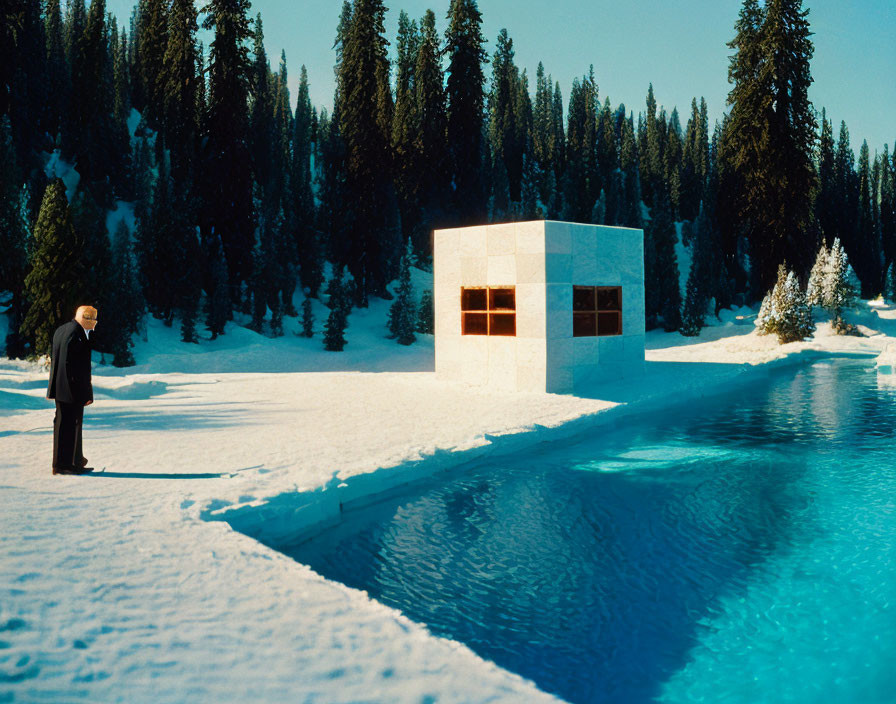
{"x": 602, "y": 570}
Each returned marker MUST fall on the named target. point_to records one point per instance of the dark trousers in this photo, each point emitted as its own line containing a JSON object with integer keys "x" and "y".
{"x": 67, "y": 435}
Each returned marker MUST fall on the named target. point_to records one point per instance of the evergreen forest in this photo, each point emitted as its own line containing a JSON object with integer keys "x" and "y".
{"x": 243, "y": 195}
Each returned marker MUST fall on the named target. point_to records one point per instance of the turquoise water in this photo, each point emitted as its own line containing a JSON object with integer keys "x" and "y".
{"x": 738, "y": 550}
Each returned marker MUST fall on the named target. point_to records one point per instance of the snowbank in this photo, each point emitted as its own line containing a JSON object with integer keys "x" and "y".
{"x": 118, "y": 587}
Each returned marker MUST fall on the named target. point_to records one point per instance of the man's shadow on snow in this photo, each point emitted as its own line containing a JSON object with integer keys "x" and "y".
{"x": 157, "y": 475}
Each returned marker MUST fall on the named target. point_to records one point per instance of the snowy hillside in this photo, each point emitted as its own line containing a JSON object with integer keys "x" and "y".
{"x": 127, "y": 586}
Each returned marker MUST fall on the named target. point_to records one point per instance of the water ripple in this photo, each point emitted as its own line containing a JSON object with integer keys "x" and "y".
{"x": 706, "y": 555}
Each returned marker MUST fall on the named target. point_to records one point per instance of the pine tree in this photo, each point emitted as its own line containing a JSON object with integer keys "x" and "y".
{"x": 58, "y": 77}
{"x": 652, "y": 162}
{"x": 185, "y": 270}
{"x": 122, "y": 311}
{"x": 54, "y": 285}
{"x": 13, "y": 233}
{"x": 846, "y": 188}
{"x": 365, "y": 125}
{"x": 179, "y": 85}
{"x": 426, "y": 314}
{"x": 815, "y": 286}
{"x": 303, "y": 212}
{"x": 90, "y": 111}
{"x": 121, "y": 174}
{"x": 772, "y": 134}
{"x": 227, "y": 191}
{"x": 89, "y": 221}
{"x": 664, "y": 278}
{"x": 702, "y": 278}
{"x": 888, "y": 205}
{"x": 258, "y": 283}
{"x": 869, "y": 266}
{"x": 694, "y": 310}
{"x": 307, "y": 319}
{"x": 581, "y": 187}
{"x": 891, "y": 283}
{"x": 464, "y": 45}
{"x": 632, "y": 215}
{"x": 218, "y": 304}
{"x": 150, "y": 69}
{"x": 784, "y": 310}
{"x": 402, "y": 312}
{"x": 261, "y": 113}
{"x": 25, "y": 93}
{"x": 826, "y": 202}
{"x": 503, "y": 121}
{"x": 429, "y": 142}
{"x": 839, "y": 291}
{"x": 334, "y": 330}
{"x": 405, "y": 123}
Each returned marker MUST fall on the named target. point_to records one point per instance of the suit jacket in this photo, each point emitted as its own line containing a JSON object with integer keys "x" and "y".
{"x": 70, "y": 365}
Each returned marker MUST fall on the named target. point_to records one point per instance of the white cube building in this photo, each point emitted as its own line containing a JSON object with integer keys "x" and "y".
{"x": 539, "y": 306}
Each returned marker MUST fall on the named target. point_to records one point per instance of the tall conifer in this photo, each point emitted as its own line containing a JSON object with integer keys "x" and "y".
{"x": 179, "y": 86}
{"x": 464, "y": 45}
{"x": 365, "y": 126}
{"x": 55, "y": 283}
{"x": 227, "y": 188}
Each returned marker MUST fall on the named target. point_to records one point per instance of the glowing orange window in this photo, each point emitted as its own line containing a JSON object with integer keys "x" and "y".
{"x": 488, "y": 311}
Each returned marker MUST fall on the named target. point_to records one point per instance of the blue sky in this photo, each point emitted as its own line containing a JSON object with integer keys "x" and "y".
{"x": 678, "y": 46}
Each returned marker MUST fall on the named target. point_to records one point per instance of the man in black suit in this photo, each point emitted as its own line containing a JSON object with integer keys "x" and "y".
{"x": 70, "y": 385}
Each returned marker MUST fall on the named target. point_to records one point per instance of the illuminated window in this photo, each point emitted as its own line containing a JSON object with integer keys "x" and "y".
{"x": 596, "y": 311}
{"x": 488, "y": 311}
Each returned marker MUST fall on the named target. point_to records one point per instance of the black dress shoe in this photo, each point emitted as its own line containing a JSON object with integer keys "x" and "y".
{"x": 83, "y": 461}
{"x": 66, "y": 470}
{"x": 72, "y": 470}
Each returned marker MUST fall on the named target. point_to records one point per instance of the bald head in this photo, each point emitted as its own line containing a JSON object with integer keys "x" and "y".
{"x": 86, "y": 317}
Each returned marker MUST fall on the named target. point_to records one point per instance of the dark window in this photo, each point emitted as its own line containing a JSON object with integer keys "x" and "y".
{"x": 584, "y": 325}
{"x": 473, "y": 299}
{"x": 475, "y": 324}
{"x": 502, "y": 324}
{"x": 488, "y": 311}
{"x": 597, "y": 311}
{"x": 502, "y": 299}
{"x": 583, "y": 298}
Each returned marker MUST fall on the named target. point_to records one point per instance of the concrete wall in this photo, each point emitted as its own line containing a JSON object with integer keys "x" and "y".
{"x": 592, "y": 255}
{"x": 542, "y": 260}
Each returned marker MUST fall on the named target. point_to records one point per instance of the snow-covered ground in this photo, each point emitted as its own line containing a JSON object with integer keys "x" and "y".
{"x": 124, "y": 586}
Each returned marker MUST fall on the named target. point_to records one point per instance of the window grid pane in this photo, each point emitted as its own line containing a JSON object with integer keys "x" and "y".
{"x": 501, "y": 299}
{"x": 502, "y": 324}
{"x": 609, "y": 323}
{"x": 475, "y": 304}
{"x": 597, "y": 311}
{"x": 475, "y": 324}
{"x": 584, "y": 325}
{"x": 583, "y": 298}
{"x": 609, "y": 298}
{"x": 474, "y": 299}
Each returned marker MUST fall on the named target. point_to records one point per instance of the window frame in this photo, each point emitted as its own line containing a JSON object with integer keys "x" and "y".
{"x": 494, "y": 314}
{"x": 593, "y": 314}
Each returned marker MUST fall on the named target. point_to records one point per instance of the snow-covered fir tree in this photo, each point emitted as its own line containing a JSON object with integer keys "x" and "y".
{"x": 815, "y": 287}
{"x": 839, "y": 290}
{"x": 784, "y": 310}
